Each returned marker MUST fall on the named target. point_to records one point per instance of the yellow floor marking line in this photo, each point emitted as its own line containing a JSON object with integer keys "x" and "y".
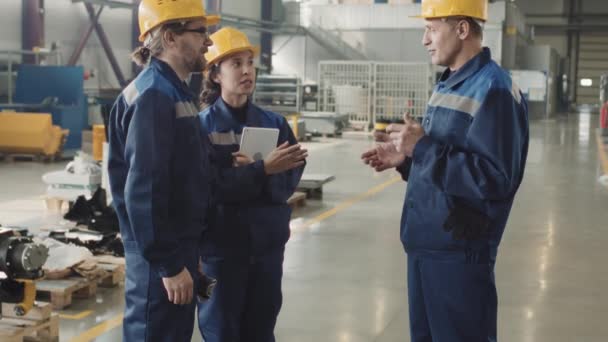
{"x": 349, "y": 203}
{"x": 76, "y": 316}
{"x": 114, "y": 322}
{"x": 99, "y": 329}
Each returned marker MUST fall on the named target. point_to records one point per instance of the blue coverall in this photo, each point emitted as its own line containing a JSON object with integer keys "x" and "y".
{"x": 244, "y": 245}
{"x": 471, "y": 162}
{"x": 162, "y": 179}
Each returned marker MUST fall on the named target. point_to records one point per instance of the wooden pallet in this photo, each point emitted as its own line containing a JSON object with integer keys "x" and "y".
{"x": 40, "y": 158}
{"x": 40, "y": 324}
{"x": 297, "y": 200}
{"x": 63, "y": 290}
{"x": 115, "y": 274}
{"x": 56, "y": 204}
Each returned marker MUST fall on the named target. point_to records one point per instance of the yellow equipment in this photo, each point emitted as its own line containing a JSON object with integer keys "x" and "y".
{"x": 432, "y": 9}
{"x": 227, "y": 41}
{"x": 153, "y": 13}
{"x": 99, "y": 137}
{"x": 380, "y": 126}
{"x": 31, "y": 133}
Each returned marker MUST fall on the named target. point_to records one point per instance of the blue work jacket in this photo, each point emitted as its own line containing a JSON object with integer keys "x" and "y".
{"x": 256, "y": 227}
{"x": 471, "y": 159}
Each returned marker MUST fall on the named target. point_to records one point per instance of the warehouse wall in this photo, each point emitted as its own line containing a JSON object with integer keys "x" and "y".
{"x": 249, "y": 9}
{"x": 10, "y": 17}
{"x": 557, "y": 37}
{"x": 377, "y": 39}
{"x": 595, "y": 6}
{"x": 298, "y": 56}
{"x": 541, "y": 6}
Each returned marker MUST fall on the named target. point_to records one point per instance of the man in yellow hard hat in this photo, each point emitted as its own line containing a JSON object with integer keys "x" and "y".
{"x": 244, "y": 246}
{"x": 155, "y": 162}
{"x": 161, "y": 175}
{"x": 463, "y": 166}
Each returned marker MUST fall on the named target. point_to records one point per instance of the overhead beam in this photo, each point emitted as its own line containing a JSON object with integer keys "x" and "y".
{"x": 107, "y": 3}
{"x": 84, "y": 38}
{"x": 103, "y": 39}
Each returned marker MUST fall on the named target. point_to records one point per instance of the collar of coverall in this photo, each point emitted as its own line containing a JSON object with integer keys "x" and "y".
{"x": 449, "y": 79}
{"x": 227, "y": 117}
{"x": 167, "y": 71}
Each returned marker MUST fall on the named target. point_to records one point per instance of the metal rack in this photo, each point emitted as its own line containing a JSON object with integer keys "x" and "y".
{"x": 278, "y": 93}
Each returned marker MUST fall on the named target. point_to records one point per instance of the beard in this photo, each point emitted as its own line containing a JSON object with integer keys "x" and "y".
{"x": 193, "y": 59}
{"x": 196, "y": 65}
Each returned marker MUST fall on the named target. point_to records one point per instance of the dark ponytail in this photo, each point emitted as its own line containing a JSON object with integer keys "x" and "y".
{"x": 211, "y": 90}
{"x": 154, "y": 43}
{"x": 141, "y": 56}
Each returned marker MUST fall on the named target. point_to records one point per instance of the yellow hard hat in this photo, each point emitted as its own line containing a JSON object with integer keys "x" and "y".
{"x": 432, "y": 9}
{"x": 153, "y": 13}
{"x": 227, "y": 41}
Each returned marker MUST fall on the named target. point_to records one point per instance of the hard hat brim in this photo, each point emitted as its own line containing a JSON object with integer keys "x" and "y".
{"x": 254, "y": 49}
{"x": 210, "y": 20}
{"x": 439, "y": 17}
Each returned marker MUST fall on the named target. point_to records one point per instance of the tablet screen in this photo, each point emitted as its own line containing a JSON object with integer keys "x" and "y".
{"x": 257, "y": 142}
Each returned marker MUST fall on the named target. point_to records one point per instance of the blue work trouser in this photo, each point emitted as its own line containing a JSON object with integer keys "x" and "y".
{"x": 149, "y": 316}
{"x": 452, "y": 297}
{"x": 246, "y": 301}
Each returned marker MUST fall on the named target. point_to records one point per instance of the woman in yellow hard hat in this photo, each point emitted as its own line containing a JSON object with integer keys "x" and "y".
{"x": 244, "y": 244}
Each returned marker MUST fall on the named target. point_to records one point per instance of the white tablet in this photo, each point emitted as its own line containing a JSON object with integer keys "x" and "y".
{"x": 257, "y": 142}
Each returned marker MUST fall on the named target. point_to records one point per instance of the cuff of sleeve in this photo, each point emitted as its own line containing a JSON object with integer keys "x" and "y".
{"x": 259, "y": 170}
{"x": 171, "y": 268}
{"x": 421, "y": 147}
{"x": 405, "y": 166}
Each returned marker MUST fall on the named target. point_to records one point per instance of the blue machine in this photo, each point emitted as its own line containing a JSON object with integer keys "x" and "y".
{"x": 58, "y": 90}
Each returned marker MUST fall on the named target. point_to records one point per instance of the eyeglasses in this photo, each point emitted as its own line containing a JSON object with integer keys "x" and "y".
{"x": 201, "y": 30}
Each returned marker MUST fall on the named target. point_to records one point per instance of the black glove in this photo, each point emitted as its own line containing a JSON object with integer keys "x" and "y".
{"x": 206, "y": 287}
{"x": 467, "y": 224}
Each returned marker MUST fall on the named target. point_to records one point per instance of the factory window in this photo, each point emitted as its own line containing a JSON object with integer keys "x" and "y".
{"x": 586, "y": 82}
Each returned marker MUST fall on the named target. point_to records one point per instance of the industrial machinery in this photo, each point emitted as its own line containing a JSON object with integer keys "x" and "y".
{"x": 309, "y": 97}
{"x": 58, "y": 90}
{"x": 21, "y": 262}
{"x": 280, "y": 94}
{"x": 327, "y": 123}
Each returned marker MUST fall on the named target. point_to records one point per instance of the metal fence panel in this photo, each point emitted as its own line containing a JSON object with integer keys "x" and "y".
{"x": 372, "y": 91}
{"x": 345, "y": 88}
{"x": 400, "y": 88}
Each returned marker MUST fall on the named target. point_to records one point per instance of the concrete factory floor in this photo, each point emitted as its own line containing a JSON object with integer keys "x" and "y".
{"x": 345, "y": 268}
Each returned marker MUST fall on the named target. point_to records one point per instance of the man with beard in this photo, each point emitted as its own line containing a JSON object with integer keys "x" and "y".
{"x": 161, "y": 175}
